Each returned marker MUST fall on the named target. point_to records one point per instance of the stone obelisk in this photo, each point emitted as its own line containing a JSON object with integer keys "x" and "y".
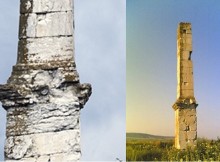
{"x": 43, "y": 96}
{"x": 185, "y": 105}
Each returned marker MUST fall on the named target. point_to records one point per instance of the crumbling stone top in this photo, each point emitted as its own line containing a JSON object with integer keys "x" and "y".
{"x": 45, "y": 61}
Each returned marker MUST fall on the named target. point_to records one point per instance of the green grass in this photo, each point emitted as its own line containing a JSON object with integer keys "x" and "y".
{"x": 163, "y": 150}
{"x": 144, "y": 135}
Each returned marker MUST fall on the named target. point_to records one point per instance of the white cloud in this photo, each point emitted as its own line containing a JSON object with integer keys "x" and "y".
{"x": 100, "y": 57}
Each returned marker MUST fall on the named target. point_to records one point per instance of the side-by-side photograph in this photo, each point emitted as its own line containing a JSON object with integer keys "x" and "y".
{"x": 109, "y": 80}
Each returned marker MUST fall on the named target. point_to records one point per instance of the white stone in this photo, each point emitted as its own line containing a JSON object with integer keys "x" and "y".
{"x": 23, "y": 160}
{"x": 47, "y": 25}
{"x": 56, "y": 142}
{"x": 59, "y": 97}
{"x": 53, "y": 24}
{"x": 26, "y": 146}
{"x": 49, "y": 49}
{"x": 52, "y": 5}
{"x": 17, "y": 147}
{"x": 43, "y": 158}
{"x": 43, "y": 118}
{"x": 69, "y": 157}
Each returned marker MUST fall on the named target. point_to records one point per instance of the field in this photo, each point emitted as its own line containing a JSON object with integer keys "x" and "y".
{"x": 163, "y": 150}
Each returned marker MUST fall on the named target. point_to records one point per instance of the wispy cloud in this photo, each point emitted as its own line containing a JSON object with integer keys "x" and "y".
{"x": 101, "y": 57}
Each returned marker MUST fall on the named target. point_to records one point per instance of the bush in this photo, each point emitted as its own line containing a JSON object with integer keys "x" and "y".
{"x": 163, "y": 150}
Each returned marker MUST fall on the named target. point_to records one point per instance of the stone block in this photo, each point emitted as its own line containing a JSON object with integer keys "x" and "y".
{"x": 43, "y": 144}
{"x": 182, "y": 136}
{"x": 65, "y": 157}
{"x": 189, "y": 37}
{"x": 17, "y": 147}
{"x": 23, "y": 160}
{"x": 181, "y": 118}
{"x": 45, "y": 158}
{"x": 42, "y": 118}
{"x": 190, "y": 112}
{"x": 189, "y": 40}
{"x": 186, "y": 86}
{"x": 185, "y": 55}
{"x": 66, "y": 141}
{"x": 42, "y": 6}
{"x": 185, "y": 77}
{"x": 186, "y": 63}
{"x": 27, "y": 25}
{"x": 191, "y": 135}
{"x": 182, "y": 126}
{"x": 26, "y": 6}
{"x": 191, "y": 119}
{"x": 187, "y": 93}
{"x": 186, "y": 70}
{"x": 47, "y": 49}
{"x": 193, "y": 127}
{"x": 188, "y": 47}
{"x": 46, "y": 25}
{"x": 182, "y": 144}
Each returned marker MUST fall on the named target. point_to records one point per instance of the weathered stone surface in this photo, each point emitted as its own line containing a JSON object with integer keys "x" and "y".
{"x": 185, "y": 105}
{"x": 43, "y": 50}
{"x": 193, "y": 126}
{"x": 46, "y": 25}
{"x": 183, "y": 126}
{"x": 44, "y": 144}
{"x": 44, "y": 6}
{"x": 17, "y": 147}
{"x": 43, "y": 96}
{"x": 182, "y": 135}
{"x": 191, "y": 135}
{"x": 42, "y": 118}
{"x": 182, "y": 144}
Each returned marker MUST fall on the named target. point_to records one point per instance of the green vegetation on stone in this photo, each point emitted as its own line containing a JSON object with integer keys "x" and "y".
{"x": 163, "y": 150}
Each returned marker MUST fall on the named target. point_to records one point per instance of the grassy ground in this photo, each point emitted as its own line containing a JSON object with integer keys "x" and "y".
{"x": 163, "y": 150}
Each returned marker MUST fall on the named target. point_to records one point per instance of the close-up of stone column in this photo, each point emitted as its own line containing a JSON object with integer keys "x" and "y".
{"x": 185, "y": 105}
{"x": 43, "y": 96}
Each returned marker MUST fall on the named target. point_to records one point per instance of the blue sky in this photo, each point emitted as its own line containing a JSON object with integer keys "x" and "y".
{"x": 100, "y": 58}
{"x": 151, "y": 63}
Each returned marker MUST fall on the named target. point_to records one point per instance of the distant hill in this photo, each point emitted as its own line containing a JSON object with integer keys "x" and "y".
{"x": 146, "y": 136}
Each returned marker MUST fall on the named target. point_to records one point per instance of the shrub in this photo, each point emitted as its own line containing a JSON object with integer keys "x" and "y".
{"x": 163, "y": 150}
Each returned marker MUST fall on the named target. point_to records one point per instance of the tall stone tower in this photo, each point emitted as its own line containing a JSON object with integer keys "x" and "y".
{"x": 185, "y": 105}
{"x": 43, "y": 97}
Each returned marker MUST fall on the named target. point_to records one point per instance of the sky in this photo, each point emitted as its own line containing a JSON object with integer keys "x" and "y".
{"x": 151, "y": 62}
{"x": 100, "y": 53}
